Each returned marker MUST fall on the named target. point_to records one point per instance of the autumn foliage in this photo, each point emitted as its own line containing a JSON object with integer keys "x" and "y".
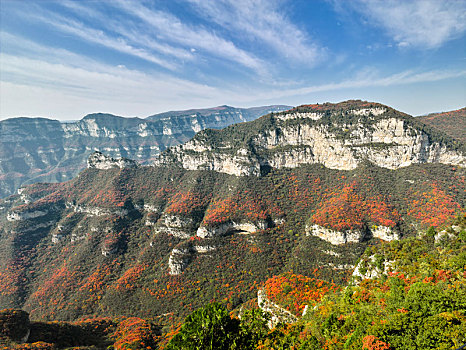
{"x": 345, "y": 208}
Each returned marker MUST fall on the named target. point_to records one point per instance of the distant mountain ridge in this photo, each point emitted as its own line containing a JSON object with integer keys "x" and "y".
{"x": 45, "y": 150}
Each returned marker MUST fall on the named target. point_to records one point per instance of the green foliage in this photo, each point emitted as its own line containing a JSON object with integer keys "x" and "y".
{"x": 14, "y": 324}
{"x": 210, "y": 327}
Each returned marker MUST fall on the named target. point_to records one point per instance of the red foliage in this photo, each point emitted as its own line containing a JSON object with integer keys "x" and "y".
{"x": 130, "y": 277}
{"x": 183, "y": 203}
{"x": 134, "y": 333}
{"x": 296, "y": 291}
{"x": 433, "y": 208}
{"x": 344, "y": 209}
{"x": 371, "y": 342}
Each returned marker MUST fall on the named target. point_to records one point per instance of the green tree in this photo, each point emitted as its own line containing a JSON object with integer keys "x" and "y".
{"x": 210, "y": 327}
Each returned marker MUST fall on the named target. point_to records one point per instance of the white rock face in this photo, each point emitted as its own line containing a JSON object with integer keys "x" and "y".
{"x": 350, "y": 236}
{"x": 175, "y": 225}
{"x": 178, "y": 260}
{"x": 56, "y": 238}
{"x": 99, "y": 160}
{"x": 16, "y": 216}
{"x": 247, "y": 227}
{"x": 388, "y": 143}
{"x": 335, "y": 237}
{"x": 278, "y": 314}
{"x": 287, "y": 116}
{"x": 340, "y": 266}
{"x": 442, "y": 235}
{"x": 385, "y": 233}
{"x": 374, "y": 272}
{"x": 96, "y": 211}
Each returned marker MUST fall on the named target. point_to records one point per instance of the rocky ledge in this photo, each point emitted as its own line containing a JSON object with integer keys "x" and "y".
{"x": 336, "y": 138}
{"x": 351, "y": 236}
{"x": 231, "y": 226}
{"x": 98, "y": 160}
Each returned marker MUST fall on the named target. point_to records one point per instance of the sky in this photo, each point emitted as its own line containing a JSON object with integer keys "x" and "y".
{"x": 63, "y": 59}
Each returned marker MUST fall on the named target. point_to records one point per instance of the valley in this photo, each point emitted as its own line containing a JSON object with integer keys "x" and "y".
{"x": 294, "y": 197}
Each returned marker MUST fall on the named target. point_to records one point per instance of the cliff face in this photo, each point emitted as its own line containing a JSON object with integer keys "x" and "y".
{"x": 44, "y": 150}
{"x": 338, "y": 136}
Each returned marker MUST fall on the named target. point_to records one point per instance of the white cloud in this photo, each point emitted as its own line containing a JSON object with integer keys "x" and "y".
{"x": 367, "y": 79}
{"x": 56, "y": 82}
{"x": 171, "y": 29}
{"x": 92, "y": 35}
{"x": 263, "y": 22}
{"x": 136, "y": 37}
{"x": 418, "y": 23}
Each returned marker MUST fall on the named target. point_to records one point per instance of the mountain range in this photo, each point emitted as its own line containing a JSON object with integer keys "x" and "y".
{"x": 45, "y": 150}
{"x": 299, "y": 190}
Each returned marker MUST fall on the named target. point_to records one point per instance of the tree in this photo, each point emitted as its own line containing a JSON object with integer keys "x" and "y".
{"x": 210, "y": 327}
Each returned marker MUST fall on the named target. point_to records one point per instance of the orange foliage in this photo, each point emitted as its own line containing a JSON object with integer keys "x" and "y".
{"x": 187, "y": 202}
{"x": 344, "y": 209}
{"x": 134, "y": 333}
{"x": 296, "y": 291}
{"x": 130, "y": 277}
{"x": 433, "y": 208}
{"x": 371, "y": 342}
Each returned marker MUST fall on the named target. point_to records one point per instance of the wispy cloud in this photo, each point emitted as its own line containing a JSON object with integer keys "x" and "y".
{"x": 419, "y": 23}
{"x": 137, "y": 37}
{"x": 171, "y": 29}
{"x": 43, "y": 80}
{"x": 369, "y": 78}
{"x": 264, "y": 22}
{"x": 99, "y": 37}
{"x": 54, "y": 82}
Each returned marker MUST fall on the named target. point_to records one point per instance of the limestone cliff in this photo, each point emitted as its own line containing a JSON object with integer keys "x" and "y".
{"x": 338, "y": 136}
{"x": 44, "y": 150}
{"x": 98, "y": 160}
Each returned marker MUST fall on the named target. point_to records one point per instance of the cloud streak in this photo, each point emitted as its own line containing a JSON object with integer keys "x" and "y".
{"x": 263, "y": 22}
{"x": 61, "y": 81}
{"x": 415, "y": 23}
{"x": 170, "y": 28}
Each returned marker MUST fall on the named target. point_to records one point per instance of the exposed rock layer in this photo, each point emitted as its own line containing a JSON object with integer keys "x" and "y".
{"x": 40, "y": 149}
{"x": 336, "y": 137}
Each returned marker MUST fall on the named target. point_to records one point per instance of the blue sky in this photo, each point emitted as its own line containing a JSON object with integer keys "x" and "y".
{"x": 63, "y": 59}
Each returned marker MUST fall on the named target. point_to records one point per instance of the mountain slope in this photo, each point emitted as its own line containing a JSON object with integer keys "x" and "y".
{"x": 121, "y": 239}
{"x": 339, "y": 136}
{"x": 39, "y": 149}
{"x": 453, "y": 123}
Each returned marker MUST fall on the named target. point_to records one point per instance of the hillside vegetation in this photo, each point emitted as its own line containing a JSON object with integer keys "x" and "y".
{"x": 419, "y": 302}
{"x": 230, "y": 220}
{"x": 452, "y": 123}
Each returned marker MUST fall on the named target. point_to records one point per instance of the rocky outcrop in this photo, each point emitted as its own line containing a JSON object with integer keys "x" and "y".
{"x": 181, "y": 257}
{"x": 178, "y": 260}
{"x": 340, "y": 139}
{"x": 336, "y": 237}
{"x": 98, "y": 160}
{"x": 368, "y": 269}
{"x": 277, "y": 313}
{"x": 384, "y": 233}
{"x": 231, "y": 226}
{"x": 175, "y": 225}
{"x": 351, "y": 236}
{"x": 25, "y": 215}
{"x": 96, "y": 211}
{"x": 45, "y": 150}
